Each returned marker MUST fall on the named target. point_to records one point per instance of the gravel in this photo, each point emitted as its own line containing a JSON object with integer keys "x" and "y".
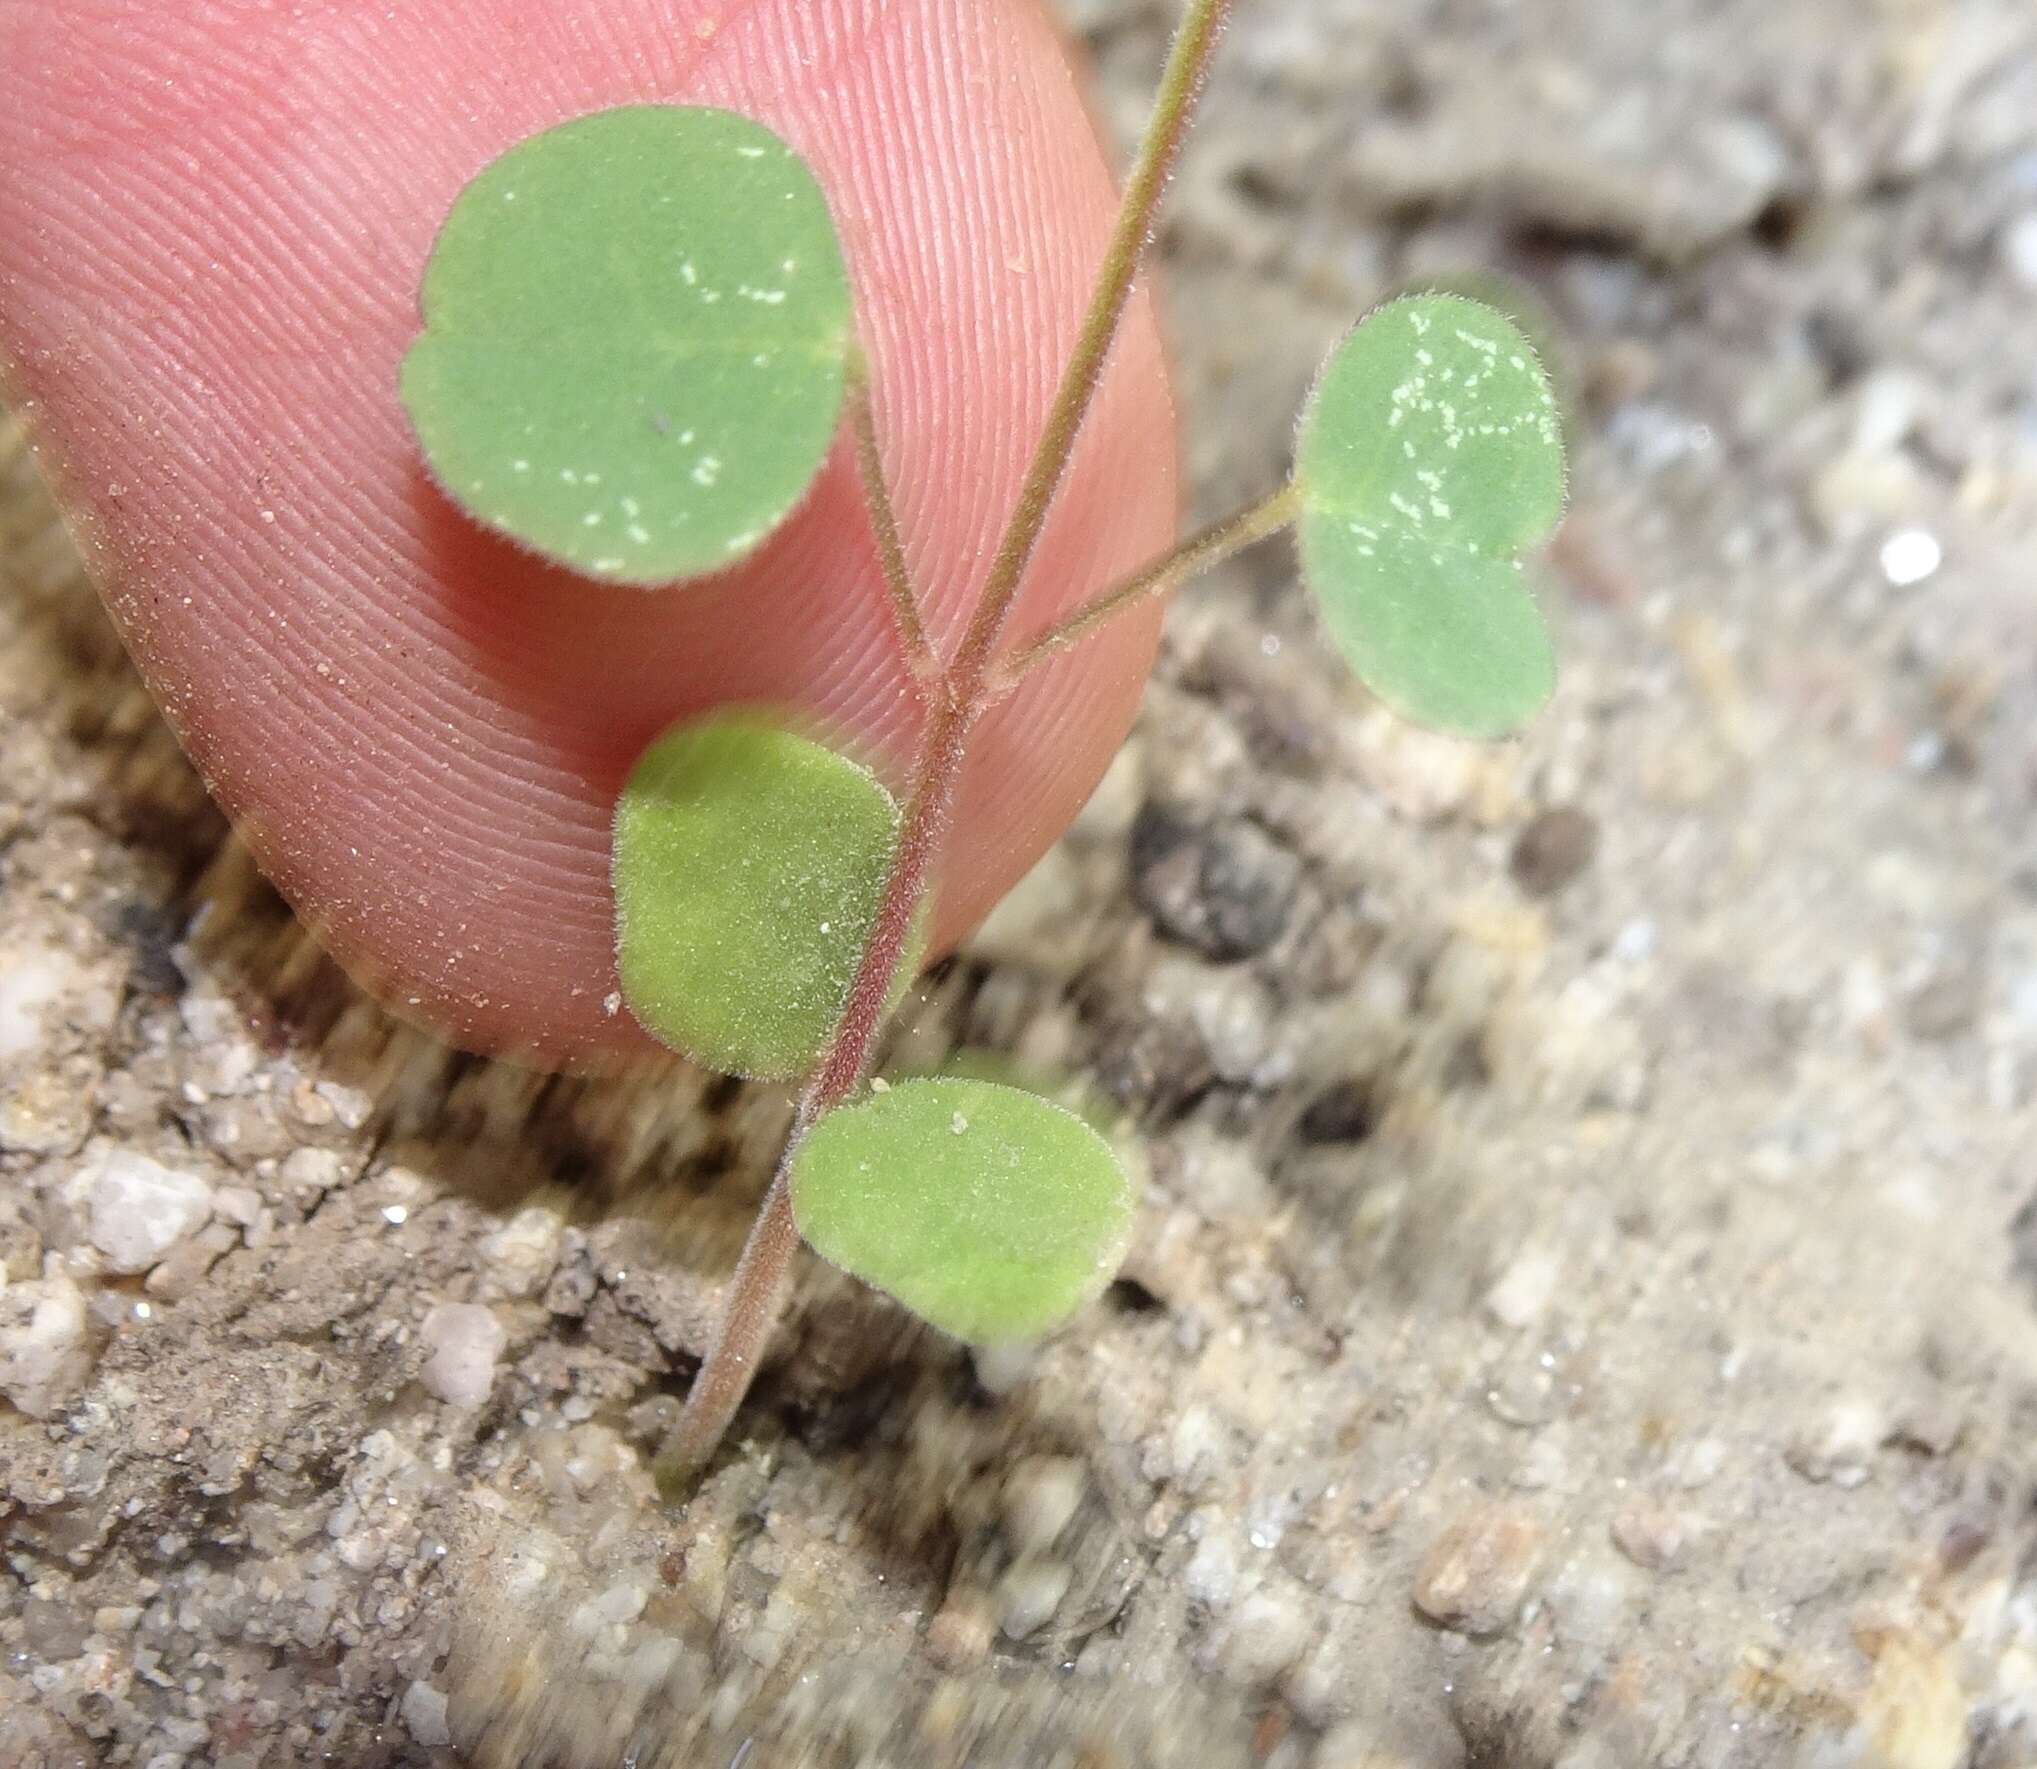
{"x": 1227, "y": 890}
{"x": 45, "y": 1354}
{"x": 462, "y": 1343}
{"x": 1553, "y": 849}
{"x": 139, "y": 1209}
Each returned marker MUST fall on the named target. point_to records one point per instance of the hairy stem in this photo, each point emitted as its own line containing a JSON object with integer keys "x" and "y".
{"x": 756, "y": 1293}
{"x": 757, "y": 1290}
{"x": 1202, "y": 551}
{"x": 1173, "y": 111}
{"x": 920, "y": 655}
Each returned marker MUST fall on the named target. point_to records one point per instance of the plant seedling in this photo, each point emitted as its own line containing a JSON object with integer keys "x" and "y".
{"x": 638, "y": 344}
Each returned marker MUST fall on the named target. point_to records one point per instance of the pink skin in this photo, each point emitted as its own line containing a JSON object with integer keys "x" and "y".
{"x": 212, "y": 221}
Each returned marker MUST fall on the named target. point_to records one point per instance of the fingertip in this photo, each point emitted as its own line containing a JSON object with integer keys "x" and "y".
{"x": 207, "y": 291}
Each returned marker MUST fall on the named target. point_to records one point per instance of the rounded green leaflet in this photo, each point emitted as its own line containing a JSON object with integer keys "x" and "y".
{"x": 1525, "y": 309}
{"x": 636, "y": 333}
{"x": 985, "y": 1209}
{"x": 748, "y": 864}
{"x": 1431, "y": 456}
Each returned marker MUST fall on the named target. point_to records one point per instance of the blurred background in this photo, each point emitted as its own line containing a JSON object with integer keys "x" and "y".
{"x": 1585, "y": 1311}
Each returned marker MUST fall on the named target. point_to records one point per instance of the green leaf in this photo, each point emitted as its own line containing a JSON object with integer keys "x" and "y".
{"x": 1523, "y": 307}
{"x": 1074, "y": 1093}
{"x": 748, "y": 866}
{"x": 1431, "y": 456}
{"x": 984, "y": 1209}
{"x": 636, "y": 332}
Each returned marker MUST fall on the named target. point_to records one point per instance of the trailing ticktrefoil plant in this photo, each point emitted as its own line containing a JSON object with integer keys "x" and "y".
{"x": 639, "y": 343}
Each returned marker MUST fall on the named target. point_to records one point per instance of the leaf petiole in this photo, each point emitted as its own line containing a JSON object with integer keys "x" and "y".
{"x": 1202, "y": 551}
{"x": 920, "y": 656}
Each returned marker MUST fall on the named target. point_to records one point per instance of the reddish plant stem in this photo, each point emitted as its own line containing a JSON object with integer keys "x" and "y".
{"x": 1173, "y": 114}
{"x": 1202, "y": 550}
{"x": 756, "y": 1291}
{"x": 920, "y": 656}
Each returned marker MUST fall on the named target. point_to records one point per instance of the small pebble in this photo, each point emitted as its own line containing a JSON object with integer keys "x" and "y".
{"x": 523, "y": 1253}
{"x": 1423, "y": 776}
{"x": 1001, "y": 1369}
{"x": 1854, "y": 493}
{"x": 45, "y": 1356}
{"x": 1226, "y": 889}
{"x": 1232, "y": 1013}
{"x": 184, "y": 1267}
{"x": 1653, "y": 1535}
{"x": 350, "y": 1105}
{"x": 619, "y": 1605}
{"x": 1543, "y": 1466}
{"x": 1591, "y": 1600}
{"x": 1636, "y": 941}
{"x": 1524, "y": 1289}
{"x": 1028, "y": 1594}
{"x": 238, "y": 1204}
{"x": 1197, "y": 1448}
{"x": 1476, "y": 1574}
{"x": 1553, "y": 850}
{"x": 1625, "y": 370}
{"x": 33, "y": 986}
{"x": 312, "y": 1172}
{"x": 424, "y": 1712}
{"x": 959, "y": 1636}
{"x": 1211, "y": 1576}
{"x": 1267, "y": 1633}
{"x": 1040, "y": 1497}
{"x": 1840, "y": 1447}
{"x": 463, "y": 1340}
{"x": 1523, "y": 1394}
{"x": 139, "y": 1209}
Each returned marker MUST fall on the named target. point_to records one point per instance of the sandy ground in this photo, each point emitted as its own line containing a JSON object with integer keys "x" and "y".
{"x": 1585, "y": 1308}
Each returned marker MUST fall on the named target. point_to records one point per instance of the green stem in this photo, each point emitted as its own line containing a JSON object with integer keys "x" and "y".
{"x": 1201, "y": 552}
{"x": 757, "y": 1289}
